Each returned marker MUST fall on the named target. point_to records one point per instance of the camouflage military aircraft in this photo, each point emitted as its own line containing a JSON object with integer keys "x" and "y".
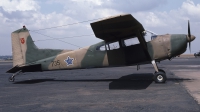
{"x": 115, "y": 50}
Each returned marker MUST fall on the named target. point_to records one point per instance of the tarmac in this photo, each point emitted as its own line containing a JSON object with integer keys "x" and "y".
{"x": 104, "y": 89}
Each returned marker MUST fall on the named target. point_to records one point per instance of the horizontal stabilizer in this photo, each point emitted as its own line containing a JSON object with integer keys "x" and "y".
{"x": 29, "y": 68}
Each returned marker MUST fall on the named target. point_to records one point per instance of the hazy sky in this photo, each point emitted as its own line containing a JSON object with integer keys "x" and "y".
{"x": 159, "y": 16}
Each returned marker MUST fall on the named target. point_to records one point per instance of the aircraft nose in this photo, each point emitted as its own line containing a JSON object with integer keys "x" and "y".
{"x": 191, "y": 38}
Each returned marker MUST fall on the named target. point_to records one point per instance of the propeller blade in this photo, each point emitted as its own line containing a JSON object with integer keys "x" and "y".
{"x": 189, "y": 35}
{"x": 190, "y": 47}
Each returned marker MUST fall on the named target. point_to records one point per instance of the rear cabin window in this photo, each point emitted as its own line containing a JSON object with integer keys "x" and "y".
{"x": 131, "y": 41}
{"x": 101, "y": 48}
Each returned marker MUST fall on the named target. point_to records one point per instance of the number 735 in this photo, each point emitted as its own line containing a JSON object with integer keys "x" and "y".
{"x": 55, "y": 63}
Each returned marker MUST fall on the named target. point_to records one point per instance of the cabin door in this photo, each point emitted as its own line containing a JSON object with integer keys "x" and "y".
{"x": 134, "y": 53}
{"x": 115, "y": 53}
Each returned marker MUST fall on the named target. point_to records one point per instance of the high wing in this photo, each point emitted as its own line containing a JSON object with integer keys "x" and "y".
{"x": 117, "y": 27}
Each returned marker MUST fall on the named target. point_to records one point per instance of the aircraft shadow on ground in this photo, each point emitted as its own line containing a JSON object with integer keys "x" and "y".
{"x": 132, "y": 82}
{"x": 128, "y": 82}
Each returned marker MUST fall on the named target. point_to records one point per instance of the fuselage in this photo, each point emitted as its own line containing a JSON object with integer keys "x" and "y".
{"x": 167, "y": 46}
{"x": 161, "y": 48}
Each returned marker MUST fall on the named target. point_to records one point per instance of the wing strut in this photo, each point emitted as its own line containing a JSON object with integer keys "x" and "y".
{"x": 143, "y": 44}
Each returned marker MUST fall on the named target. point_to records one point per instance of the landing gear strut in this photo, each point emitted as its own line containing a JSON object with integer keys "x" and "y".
{"x": 159, "y": 75}
{"x": 12, "y": 78}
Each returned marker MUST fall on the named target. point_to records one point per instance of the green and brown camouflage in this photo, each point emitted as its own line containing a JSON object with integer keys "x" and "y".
{"x": 26, "y": 53}
{"x": 29, "y": 58}
{"x": 167, "y": 46}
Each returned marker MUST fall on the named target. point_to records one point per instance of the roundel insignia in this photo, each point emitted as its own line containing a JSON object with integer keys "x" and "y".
{"x": 22, "y": 40}
{"x": 69, "y": 61}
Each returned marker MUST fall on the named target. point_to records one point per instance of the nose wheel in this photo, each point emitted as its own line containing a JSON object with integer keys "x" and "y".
{"x": 159, "y": 75}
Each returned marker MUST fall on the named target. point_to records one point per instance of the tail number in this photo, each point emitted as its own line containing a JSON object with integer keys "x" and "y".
{"x": 55, "y": 63}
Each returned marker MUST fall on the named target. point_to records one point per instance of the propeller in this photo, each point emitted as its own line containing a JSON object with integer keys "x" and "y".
{"x": 189, "y": 35}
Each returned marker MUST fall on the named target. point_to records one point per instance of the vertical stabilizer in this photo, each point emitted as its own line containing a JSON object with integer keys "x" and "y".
{"x": 25, "y": 51}
{"x": 19, "y": 47}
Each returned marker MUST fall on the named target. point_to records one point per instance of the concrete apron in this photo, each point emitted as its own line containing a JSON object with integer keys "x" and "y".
{"x": 192, "y": 85}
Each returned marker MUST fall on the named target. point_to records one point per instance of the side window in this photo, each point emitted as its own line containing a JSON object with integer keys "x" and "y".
{"x": 101, "y": 48}
{"x": 114, "y": 45}
{"x": 131, "y": 41}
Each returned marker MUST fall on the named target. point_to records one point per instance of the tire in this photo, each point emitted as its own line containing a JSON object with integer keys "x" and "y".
{"x": 11, "y": 79}
{"x": 160, "y": 77}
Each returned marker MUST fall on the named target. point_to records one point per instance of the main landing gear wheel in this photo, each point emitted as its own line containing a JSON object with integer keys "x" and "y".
{"x": 160, "y": 77}
{"x": 11, "y": 79}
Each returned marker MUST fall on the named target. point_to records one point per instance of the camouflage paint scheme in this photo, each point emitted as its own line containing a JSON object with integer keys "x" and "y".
{"x": 26, "y": 53}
